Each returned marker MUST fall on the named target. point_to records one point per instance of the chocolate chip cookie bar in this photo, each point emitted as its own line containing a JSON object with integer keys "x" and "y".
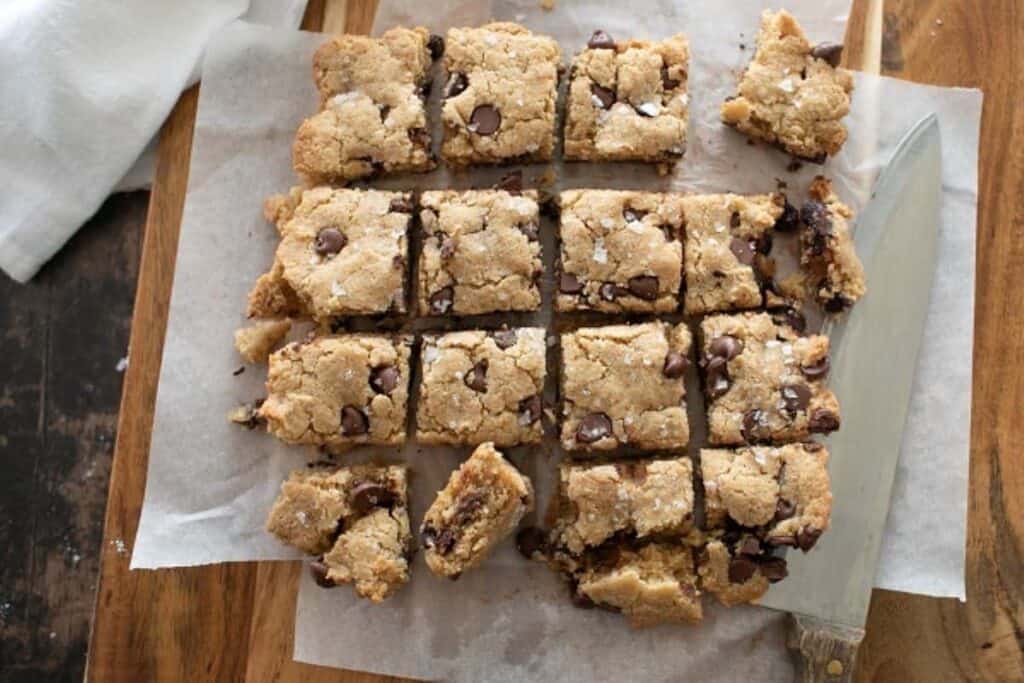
{"x": 463, "y": 232}
{"x": 484, "y": 501}
{"x": 372, "y": 118}
{"x": 344, "y": 252}
{"x": 762, "y": 384}
{"x": 627, "y": 101}
{"x": 482, "y": 386}
{"x": 620, "y": 251}
{"x": 828, "y": 254}
{"x": 727, "y": 239}
{"x": 793, "y": 94}
{"x": 355, "y": 520}
{"x": 499, "y": 104}
{"x": 622, "y": 385}
{"x": 339, "y": 391}
{"x": 737, "y": 568}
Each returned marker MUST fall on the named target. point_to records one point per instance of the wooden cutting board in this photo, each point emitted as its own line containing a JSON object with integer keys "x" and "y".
{"x": 235, "y": 622}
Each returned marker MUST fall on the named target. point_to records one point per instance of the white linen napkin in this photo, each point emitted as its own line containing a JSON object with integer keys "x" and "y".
{"x": 85, "y": 87}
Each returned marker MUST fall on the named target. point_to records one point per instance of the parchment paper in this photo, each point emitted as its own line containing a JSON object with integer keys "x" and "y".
{"x": 210, "y": 483}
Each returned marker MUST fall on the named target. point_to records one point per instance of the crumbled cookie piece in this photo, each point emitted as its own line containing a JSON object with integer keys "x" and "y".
{"x": 620, "y": 251}
{"x": 793, "y": 94}
{"x": 273, "y": 297}
{"x": 463, "y": 232}
{"x": 828, "y": 255}
{"x": 738, "y": 570}
{"x": 622, "y": 385}
{"x": 339, "y": 391}
{"x": 628, "y": 101}
{"x": 762, "y": 383}
{"x": 484, "y": 501}
{"x": 480, "y": 386}
{"x": 255, "y": 341}
{"x": 499, "y": 104}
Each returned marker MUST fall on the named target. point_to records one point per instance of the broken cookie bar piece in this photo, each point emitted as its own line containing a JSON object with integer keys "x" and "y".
{"x": 762, "y": 384}
{"x": 255, "y": 342}
{"x": 640, "y": 499}
{"x": 728, "y": 237}
{"x": 344, "y": 252}
{"x": 355, "y": 519}
{"x": 373, "y": 118}
{"x": 484, "y": 501}
{"x": 620, "y": 251}
{"x": 622, "y": 385}
{"x": 780, "y": 494}
{"x": 499, "y": 98}
{"x": 481, "y": 252}
{"x": 479, "y": 386}
{"x": 273, "y": 297}
{"x": 737, "y": 568}
{"x": 828, "y": 255}
{"x": 339, "y": 391}
{"x": 649, "y": 584}
{"x": 627, "y": 101}
{"x": 793, "y": 94}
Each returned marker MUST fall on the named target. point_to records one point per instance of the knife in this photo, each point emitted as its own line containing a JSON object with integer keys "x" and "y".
{"x": 874, "y": 356}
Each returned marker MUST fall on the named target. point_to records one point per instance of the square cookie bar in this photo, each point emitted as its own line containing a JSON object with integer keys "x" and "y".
{"x": 355, "y": 520}
{"x": 483, "y": 503}
{"x": 763, "y": 385}
{"x": 792, "y": 95}
{"x": 639, "y": 499}
{"x": 339, "y": 391}
{"x": 620, "y": 251}
{"x": 481, "y": 252}
{"x": 343, "y": 252}
{"x": 628, "y": 101}
{"x": 499, "y": 104}
{"x": 622, "y": 385}
{"x": 828, "y": 255}
{"x": 727, "y": 237}
{"x": 480, "y": 386}
{"x": 372, "y": 118}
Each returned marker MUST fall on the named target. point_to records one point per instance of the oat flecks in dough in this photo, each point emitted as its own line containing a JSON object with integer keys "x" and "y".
{"x": 791, "y": 95}
{"x": 828, "y": 255}
{"x": 481, "y": 252}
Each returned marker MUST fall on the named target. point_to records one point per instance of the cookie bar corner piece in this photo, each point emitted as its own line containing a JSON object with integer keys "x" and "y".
{"x": 628, "y": 101}
{"x": 499, "y": 98}
{"x": 482, "y": 504}
{"x": 793, "y": 94}
{"x": 828, "y": 254}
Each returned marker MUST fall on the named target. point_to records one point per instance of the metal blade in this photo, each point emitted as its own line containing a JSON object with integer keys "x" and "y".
{"x": 874, "y": 356}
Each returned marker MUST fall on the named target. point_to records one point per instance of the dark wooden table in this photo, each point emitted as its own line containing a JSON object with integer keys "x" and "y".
{"x": 234, "y": 622}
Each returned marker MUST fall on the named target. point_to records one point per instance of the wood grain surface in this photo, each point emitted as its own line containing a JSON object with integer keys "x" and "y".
{"x": 235, "y": 622}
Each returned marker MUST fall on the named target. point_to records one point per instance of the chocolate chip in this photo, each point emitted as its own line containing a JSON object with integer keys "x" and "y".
{"x": 752, "y": 423}
{"x": 456, "y": 84}
{"x": 436, "y": 46}
{"x": 601, "y": 41}
{"x": 837, "y": 304}
{"x": 815, "y": 216}
{"x": 796, "y": 397}
{"x": 530, "y": 409}
{"x": 353, "y": 421}
{"x": 384, "y": 379}
{"x": 485, "y": 120}
{"x": 787, "y": 315}
{"x": 319, "y": 571}
{"x": 777, "y": 541}
{"x": 467, "y": 508}
{"x": 531, "y": 541}
{"x": 784, "y": 510}
{"x": 774, "y": 569}
{"x": 445, "y": 245}
{"x": 511, "y": 183}
{"x": 807, "y": 537}
{"x": 789, "y": 219}
{"x": 568, "y": 284}
{"x": 531, "y": 230}
{"x": 504, "y": 339}
{"x": 476, "y": 378}
{"x": 420, "y": 137}
{"x": 367, "y": 495}
{"x": 605, "y": 96}
{"x": 742, "y": 250}
{"x": 441, "y": 301}
{"x": 667, "y": 82}
{"x": 675, "y": 365}
{"x": 734, "y": 219}
{"x": 816, "y": 370}
{"x": 644, "y": 286}
{"x": 329, "y": 241}
{"x": 633, "y": 215}
{"x": 823, "y": 421}
{"x": 717, "y": 376}
{"x": 442, "y": 541}
{"x": 725, "y": 346}
{"x": 384, "y": 111}
{"x": 828, "y": 52}
{"x": 741, "y": 569}
{"x": 400, "y": 205}
{"x": 593, "y": 427}
{"x": 749, "y": 546}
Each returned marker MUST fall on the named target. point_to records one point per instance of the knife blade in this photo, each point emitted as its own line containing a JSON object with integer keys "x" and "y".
{"x": 874, "y": 357}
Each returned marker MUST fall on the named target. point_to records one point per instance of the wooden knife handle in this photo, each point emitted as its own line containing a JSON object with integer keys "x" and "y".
{"x": 825, "y": 652}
